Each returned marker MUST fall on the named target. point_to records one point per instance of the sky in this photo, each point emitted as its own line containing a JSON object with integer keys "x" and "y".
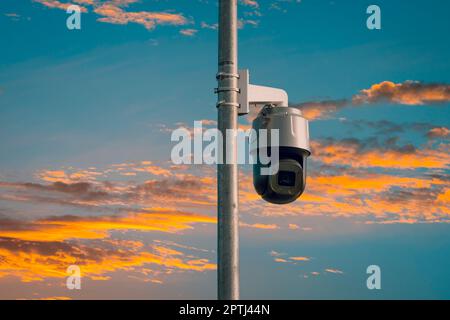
{"x": 86, "y": 177}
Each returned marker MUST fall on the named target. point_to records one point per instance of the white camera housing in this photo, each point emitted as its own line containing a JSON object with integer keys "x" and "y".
{"x": 289, "y": 181}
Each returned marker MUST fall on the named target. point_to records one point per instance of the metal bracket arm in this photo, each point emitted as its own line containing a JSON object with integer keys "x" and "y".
{"x": 258, "y": 95}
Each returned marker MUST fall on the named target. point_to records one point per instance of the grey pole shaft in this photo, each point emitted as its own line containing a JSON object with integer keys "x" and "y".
{"x": 227, "y": 173}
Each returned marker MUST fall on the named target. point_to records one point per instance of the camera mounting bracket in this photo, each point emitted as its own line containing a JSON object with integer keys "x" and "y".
{"x": 258, "y": 96}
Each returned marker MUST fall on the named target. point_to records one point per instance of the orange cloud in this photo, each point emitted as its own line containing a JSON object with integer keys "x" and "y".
{"x": 300, "y": 258}
{"x": 116, "y": 15}
{"x": 54, "y": 4}
{"x": 113, "y": 12}
{"x": 260, "y": 226}
{"x": 86, "y": 2}
{"x": 278, "y": 257}
{"x": 350, "y": 153}
{"x": 68, "y": 177}
{"x": 407, "y": 93}
{"x": 155, "y": 170}
{"x": 72, "y": 227}
{"x": 370, "y": 196}
{"x": 36, "y": 261}
{"x": 55, "y": 298}
{"x": 350, "y": 191}
{"x": 321, "y": 109}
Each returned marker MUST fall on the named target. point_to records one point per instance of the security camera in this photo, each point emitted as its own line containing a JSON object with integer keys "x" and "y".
{"x": 287, "y": 135}
{"x": 287, "y": 180}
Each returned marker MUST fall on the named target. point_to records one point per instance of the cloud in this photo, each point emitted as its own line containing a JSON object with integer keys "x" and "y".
{"x": 37, "y": 249}
{"x": 337, "y": 186}
{"x": 300, "y": 258}
{"x": 321, "y": 109}
{"x": 291, "y": 260}
{"x": 369, "y": 153}
{"x": 277, "y": 4}
{"x": 255, "y": 5}
{"x": 113, "y": 12}
{"x": 205, "y": 25}
{"x": 274, "y": 253}
{"x": 116, "y": 15}
{"x": 121, "y": 3}
{"x": 335, "y": 271}
{"x": 98, "y": 227}
{"x": 263, "y": 226}
{"x": 83, "y": 190}
{"x": 251, "y": 3}
{"x": 68, "y": 177}
{"x": 54, "y": 4}
{"x": 374, "y": 197}
{"x": 36, "y": 261}
{"x": 385, "y": 127}
{"x": 341, "y": 182}
{"x": 55, "y": 298}
{"x": 243, "y": 22}
{"x": 438, "y": 132}
{"x": 85, "y": 2}
{"x": 362, "y": 194}
{"x": 12, "y": 15}
{"x": 188, "y": 32}
{"x": 406, "y": 93}
{"x": 109, "y": 190}
{"x": 143, "y": 166}
{"x": 155, "y": 170}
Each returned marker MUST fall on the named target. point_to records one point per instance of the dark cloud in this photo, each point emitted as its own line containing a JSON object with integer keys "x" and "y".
{"x": 13, "y": 224}
{"x": 179, "y": 187}
{"x": 45, "y": 248}
{"x": 86, "y": 194}
{"x": 82, "y": 190}
{"x": 367, "y": 144}
{"x": 387, "y": 127}
{"x": 418, "y": 194}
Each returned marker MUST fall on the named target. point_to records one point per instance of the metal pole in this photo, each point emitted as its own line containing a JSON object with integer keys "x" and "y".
{"x": 227, "y": 173}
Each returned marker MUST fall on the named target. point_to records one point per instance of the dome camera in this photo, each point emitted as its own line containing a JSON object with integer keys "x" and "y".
{"x": 287, "y": 181}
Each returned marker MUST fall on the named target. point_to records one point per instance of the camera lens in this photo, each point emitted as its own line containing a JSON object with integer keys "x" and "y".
{"x": 286, "y": 178}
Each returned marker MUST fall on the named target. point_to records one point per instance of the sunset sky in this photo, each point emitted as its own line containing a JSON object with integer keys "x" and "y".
{"x": 86, "y": 177}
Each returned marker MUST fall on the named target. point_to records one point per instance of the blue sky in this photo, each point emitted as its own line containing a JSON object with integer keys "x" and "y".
{"x": 91, "y": 110}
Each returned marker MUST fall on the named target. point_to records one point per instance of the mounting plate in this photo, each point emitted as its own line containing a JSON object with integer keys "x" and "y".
{"x": 254, "y": 95}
